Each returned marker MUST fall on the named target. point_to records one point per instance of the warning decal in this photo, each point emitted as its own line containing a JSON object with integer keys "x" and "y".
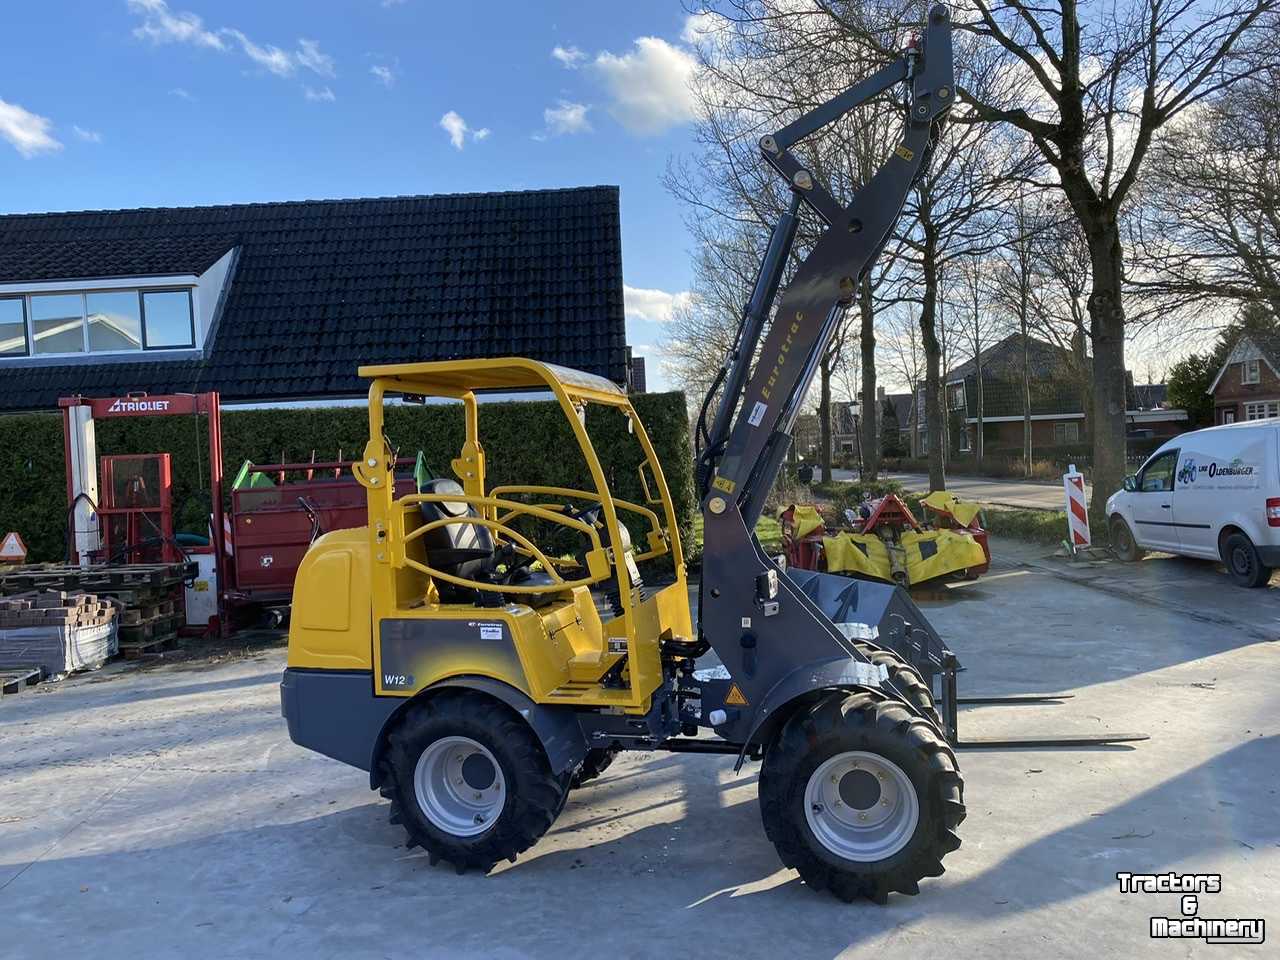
{"x": 735, "y": 697}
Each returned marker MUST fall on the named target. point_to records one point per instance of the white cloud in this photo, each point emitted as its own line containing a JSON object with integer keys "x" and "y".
{"x": 27, "y": 131}
{"x": 182, "y": 94}
{"x": 566, "y": 117}
{"x": 570, "y": 57}
{"x": 162, "y": 25}
{"x": 323, "y": 95}
{"x": 384, "y": 74}
{"x": 310, "y": 57}
{"x": 651, "y": 305}
{"x": 698, "y": 26}
{"x": 392, "y": 3}
{"x": 89, "y": 136}
{"x": 650, "y": 86}
{"x": 453, "y": 124}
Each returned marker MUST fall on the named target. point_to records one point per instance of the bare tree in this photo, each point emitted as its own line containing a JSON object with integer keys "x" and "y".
{"x": 978, "y": 329}
{"x": 1210, "y": 230}
{"x": 1091, "y": 89}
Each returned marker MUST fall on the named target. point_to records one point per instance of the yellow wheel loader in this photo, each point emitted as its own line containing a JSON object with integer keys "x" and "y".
{"x": 481, "y": 650}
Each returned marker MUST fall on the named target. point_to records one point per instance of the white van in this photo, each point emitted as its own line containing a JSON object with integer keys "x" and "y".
{"x": 1212, "y": 493}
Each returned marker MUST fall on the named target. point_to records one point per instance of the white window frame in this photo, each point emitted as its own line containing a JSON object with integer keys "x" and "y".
{"x": 139, "y": 285}
{"x": 1251, "y": 371}
{"x": 964, "y": 440}
{"x": 1261, "y": 409}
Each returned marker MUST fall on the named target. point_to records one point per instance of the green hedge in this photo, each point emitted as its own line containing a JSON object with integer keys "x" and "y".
{"x": 525, "y": 442}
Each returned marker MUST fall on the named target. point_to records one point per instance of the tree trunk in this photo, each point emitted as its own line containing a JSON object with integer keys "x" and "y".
{"x": 1026, "y": 396}
{"x": 1106, "y": 325}
{"x": 870, "y": 405}
{"x": 933, "y": 413}
{"x": 824, "y": 416}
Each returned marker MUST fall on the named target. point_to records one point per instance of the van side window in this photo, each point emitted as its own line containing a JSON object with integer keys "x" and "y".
{"x": 1157, "y": 475}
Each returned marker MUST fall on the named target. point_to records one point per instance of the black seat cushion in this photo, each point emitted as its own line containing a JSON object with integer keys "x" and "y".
{"x": 460, "y": 549}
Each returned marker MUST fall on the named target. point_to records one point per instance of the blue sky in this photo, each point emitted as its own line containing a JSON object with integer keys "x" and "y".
{"x": 127, "y": 103}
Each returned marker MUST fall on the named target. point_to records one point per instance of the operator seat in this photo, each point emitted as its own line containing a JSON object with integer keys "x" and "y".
{"x": 461, "y": 549}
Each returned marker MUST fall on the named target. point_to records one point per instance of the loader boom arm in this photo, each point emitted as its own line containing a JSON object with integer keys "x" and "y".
{"x": 751, "y": 431}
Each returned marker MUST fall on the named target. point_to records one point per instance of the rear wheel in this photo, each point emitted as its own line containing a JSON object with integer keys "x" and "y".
{"x": 1123, "y": 543}
{"x": 861, "y": 797}
{"x": 1243, "y": 562}
{"x": 469, "y": 781}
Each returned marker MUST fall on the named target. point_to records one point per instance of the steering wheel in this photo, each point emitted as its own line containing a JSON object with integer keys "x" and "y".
{"x": 589, "y": 515}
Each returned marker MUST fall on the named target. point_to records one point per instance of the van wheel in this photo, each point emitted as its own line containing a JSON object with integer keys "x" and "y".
{"x": 1243, "y": 562}
{"x": 1122, "y": 542}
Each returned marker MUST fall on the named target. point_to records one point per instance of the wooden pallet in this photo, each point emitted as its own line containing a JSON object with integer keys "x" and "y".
{"x": 14, "y": 679}
{"x": 136, "y": 649}
{"x": 145, "y": 612}
{"x": 92, "y": 579}
{"x": 147, "y": 630}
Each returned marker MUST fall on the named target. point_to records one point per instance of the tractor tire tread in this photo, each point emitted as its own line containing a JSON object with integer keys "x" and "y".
{"x": 908, "y": 678}
{"x": 859, "y": 721}
{"x": 535, "y": 796}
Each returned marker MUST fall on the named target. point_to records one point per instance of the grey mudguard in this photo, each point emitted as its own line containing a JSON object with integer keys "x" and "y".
{"x": 769, "y": 645}
{"x": 557, "y": 727}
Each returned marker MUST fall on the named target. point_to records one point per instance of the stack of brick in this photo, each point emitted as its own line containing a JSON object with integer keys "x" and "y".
{"x": 57, "y": 630}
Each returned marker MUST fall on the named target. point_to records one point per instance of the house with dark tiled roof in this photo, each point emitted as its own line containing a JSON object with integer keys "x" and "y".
{"x": 283, "y": 301}
{"x": 1059, "y": 387}
{"x": 1247, "y": 386}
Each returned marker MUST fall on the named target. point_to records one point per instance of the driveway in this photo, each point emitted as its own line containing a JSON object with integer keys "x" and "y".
{"x": 1005, "y": 493}
{"x": 165, "y": 813}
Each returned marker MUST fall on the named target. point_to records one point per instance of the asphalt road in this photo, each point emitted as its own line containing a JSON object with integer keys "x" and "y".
{"x": 164, "y": 813}
{"x": 1008, "y": 493}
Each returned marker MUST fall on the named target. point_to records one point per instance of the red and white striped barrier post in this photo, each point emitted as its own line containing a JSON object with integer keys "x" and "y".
{"x": 1077, "y": 509}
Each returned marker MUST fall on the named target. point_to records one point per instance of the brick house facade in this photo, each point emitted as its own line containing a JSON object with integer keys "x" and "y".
{"x": 1247, "y": 386}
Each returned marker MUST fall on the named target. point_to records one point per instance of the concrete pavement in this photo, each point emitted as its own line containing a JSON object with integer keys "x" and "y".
{"x": 166, "y": 813}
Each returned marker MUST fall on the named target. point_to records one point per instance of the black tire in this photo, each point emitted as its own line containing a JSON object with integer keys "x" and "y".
{"x": 534, "y": 797}
{"x": 1123, "y": 545}
{"x": 908, "y": 679}
{"x": 1243, "y": 562}
{"x": 594, "y": 763}
{"x": 845, "y": 722}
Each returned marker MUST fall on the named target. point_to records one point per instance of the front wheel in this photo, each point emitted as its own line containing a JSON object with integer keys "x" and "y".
{"x": 1243, "y": 562}
{"x": 1123, "y": 543}
{"x": 861, "y": 797}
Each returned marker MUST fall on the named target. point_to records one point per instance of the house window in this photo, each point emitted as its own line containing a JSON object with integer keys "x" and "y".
{"x": 13, "y": 327}
{"x": 1228, "y": 416}
{"x": 1066, "y": 432}
{"x": 100, "y": 321}
{"x": 57, "y": 323}
{"x": 1261, "y": 411}
{"x": 964, "y": 440}
{"x": 957, "y": 396}
{"x": 168, "y": 316}
{"x": 1251, "y": 371}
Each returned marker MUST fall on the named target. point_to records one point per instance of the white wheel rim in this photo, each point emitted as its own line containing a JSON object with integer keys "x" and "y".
{"x": 459, "y": 786}
{"x": 861, "y": 806}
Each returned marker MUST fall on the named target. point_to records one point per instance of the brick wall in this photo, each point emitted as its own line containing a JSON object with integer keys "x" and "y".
{"x": 1231, "y": 395}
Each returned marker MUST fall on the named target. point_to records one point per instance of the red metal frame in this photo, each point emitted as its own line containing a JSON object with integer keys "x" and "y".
{"x": 146, "y": 514}
{"x": 162, "y": 405}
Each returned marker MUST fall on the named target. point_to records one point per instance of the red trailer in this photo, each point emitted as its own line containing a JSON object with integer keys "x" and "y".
{"x": 277, "y": 510}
